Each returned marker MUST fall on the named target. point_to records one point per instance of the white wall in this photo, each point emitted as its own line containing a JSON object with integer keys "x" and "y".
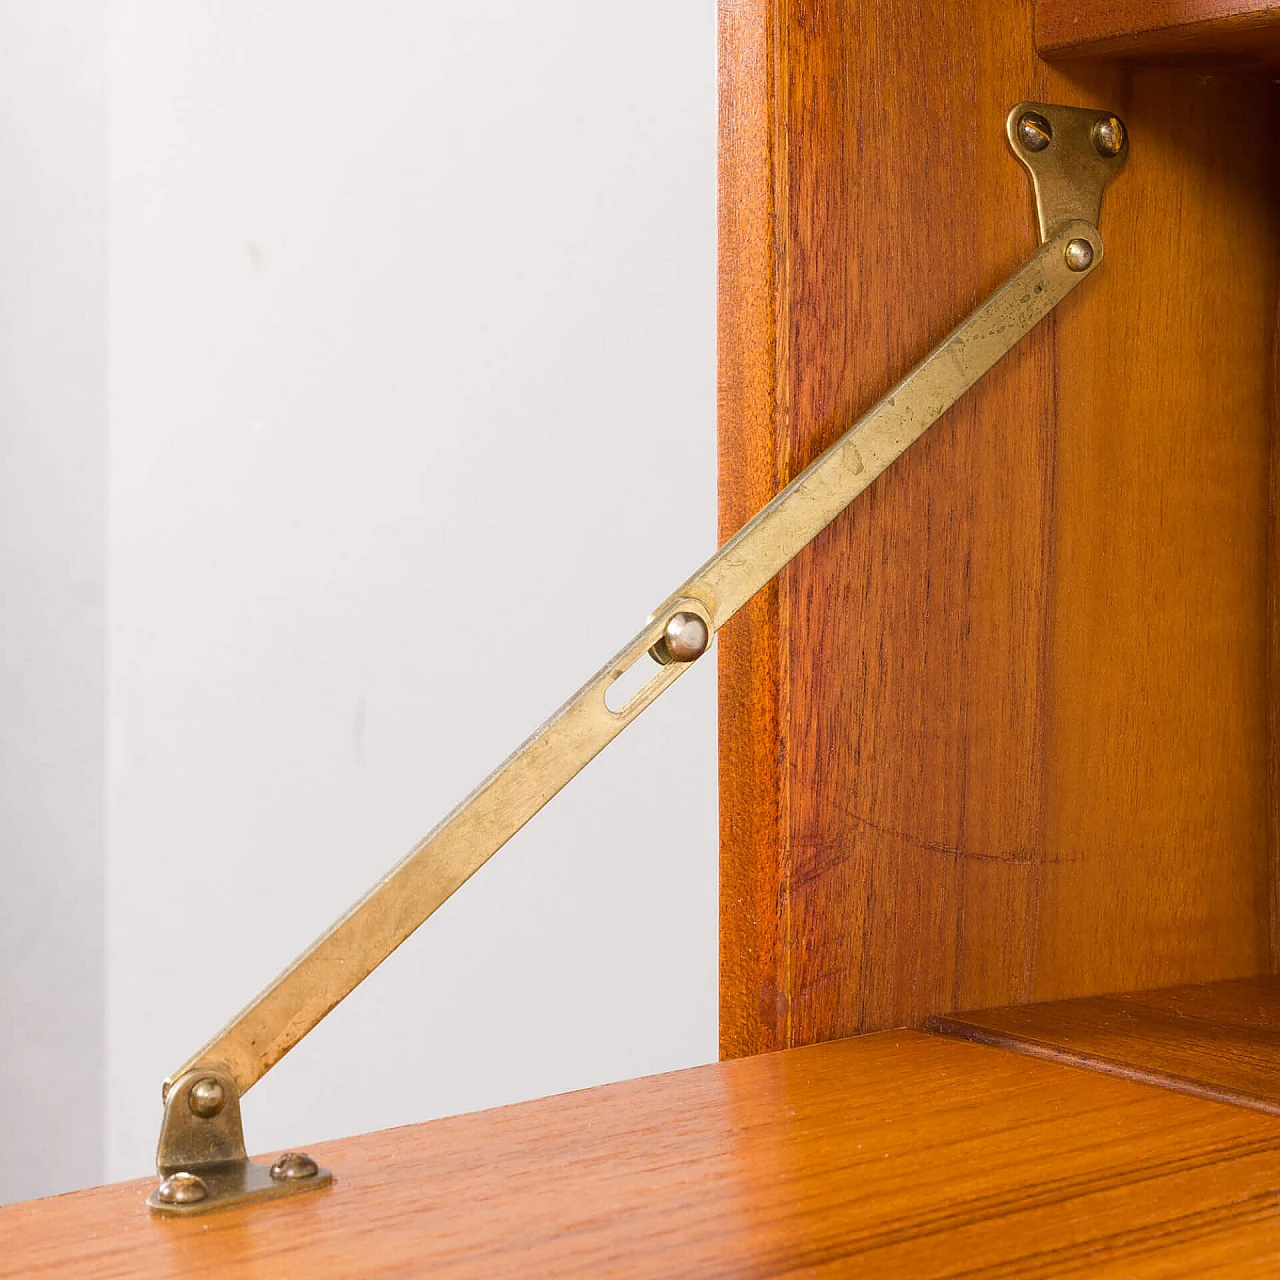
{"x": 411, "y": 422}
{"x": 52, "y": 402}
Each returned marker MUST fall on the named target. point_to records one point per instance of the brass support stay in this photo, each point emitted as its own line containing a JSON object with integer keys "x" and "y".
{"x": 1071, "y": 153}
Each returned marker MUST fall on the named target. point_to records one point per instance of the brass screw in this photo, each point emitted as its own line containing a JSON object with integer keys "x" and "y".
{"x": 686, "y": 637}
{"x": 1079, "y": 255}
{"x": 206, "y": 1098}
{"x": 294, "y": 1165}
{"x": 1034, "y": 131}
{"x": 182, "y": 1188}
{"x": 1108, "y": 136}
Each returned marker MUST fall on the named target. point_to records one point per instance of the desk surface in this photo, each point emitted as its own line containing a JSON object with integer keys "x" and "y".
{"x": 916, "y": 1155}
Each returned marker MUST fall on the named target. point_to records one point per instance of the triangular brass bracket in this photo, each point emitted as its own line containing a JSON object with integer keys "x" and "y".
{"x": 201, "y": 1156}
{"x": 1071, "y": 154}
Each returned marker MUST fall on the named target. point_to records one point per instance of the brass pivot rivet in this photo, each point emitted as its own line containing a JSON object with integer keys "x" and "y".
{"x": 294, "y": 1165}
{"x": 1079, "y": 255}
{"x": 686, "y": 637}
{"x": 206, "y": 1098}
{"x": 182, "y": 1188}
{"x": 1108, "y": 136}
{"x": 1034, "y": 131}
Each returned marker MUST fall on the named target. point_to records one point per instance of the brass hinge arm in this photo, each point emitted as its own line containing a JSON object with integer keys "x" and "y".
{"x": 343, "y": 957}
{"x": 787, "y": 524}
{"x": 678, "y": 632}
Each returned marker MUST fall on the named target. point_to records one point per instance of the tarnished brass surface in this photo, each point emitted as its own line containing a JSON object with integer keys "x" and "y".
{"x": 201, "y": 1149}
{"x": 1066, "y": 182}
{"x": 1085, "y": 150}
{"x": 238, "y": 1182}
{"x": 283, "y": 1013}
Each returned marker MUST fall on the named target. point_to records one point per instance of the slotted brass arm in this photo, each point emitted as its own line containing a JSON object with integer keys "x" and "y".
{"x": 1071, "y": 154}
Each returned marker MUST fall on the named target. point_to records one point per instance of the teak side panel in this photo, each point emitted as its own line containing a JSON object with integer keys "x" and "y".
{"x": 1001, "y": 734}
{"x": 1218, "y": 1040}
{"x": 897, "y": 1155}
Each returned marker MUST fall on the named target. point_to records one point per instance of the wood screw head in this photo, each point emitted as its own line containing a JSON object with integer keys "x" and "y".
{"x": 1108, "y": 136}
{"x": 294, "y": 1165}
{"x": 1034, "y": 131}
{"x": 182, "y": 1188}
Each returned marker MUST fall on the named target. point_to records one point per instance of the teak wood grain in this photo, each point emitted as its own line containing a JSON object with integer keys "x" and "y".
{"x": 1218, "y": 1039}
{"x": 1240, "y": 34}
{"x": 892, "y": 1155}
{"x": 1002, "y": 733}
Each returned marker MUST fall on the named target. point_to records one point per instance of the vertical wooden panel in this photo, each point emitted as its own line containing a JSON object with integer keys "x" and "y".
{"x": 1273, "y": 647}
{"x": 1001, "y": 734}
{"x": 752, "y": 924}
{"x": 1158, "y": 769}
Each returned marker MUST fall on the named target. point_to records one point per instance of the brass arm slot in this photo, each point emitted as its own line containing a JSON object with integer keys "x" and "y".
{"x": 203, "y": 1142}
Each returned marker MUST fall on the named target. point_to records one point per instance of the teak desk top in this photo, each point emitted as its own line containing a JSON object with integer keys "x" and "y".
{"x": 899, "y": 1153}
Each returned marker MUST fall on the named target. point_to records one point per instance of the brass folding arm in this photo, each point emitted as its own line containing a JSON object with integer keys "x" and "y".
{"x": 1071, "y": 154}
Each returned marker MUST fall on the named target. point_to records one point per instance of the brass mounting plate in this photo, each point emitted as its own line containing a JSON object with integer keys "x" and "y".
{"x": 1071, "y": 154}
{"x": 232, "y": 1183}
{"x": 201, "y": 1156}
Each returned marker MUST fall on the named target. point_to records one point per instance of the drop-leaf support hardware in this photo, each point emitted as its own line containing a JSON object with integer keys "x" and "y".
{"x": 1071, "y": 154}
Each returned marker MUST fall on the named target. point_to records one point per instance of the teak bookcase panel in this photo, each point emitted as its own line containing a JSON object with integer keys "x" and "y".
{"x": 1005, "y": 732}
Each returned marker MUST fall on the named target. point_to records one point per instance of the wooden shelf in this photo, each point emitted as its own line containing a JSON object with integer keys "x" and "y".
{"x": 1217, "y": 1039}
{"x": 1242, "y": 34}
{"x": 914, "y": 1155}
